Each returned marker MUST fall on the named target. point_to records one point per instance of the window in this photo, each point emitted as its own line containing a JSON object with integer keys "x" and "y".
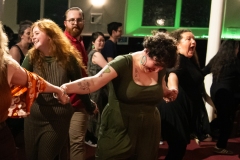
{"x": 143, "y": 16}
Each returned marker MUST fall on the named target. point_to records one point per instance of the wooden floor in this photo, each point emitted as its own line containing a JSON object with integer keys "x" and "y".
{"x": 194, "y": 152}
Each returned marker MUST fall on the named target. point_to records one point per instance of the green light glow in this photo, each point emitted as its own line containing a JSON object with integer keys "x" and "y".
{"x": 133, "y": 25}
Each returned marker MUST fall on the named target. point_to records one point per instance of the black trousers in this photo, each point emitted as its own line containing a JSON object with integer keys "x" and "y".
{"x": 226, "y": 106}
{"x": 176, "y": 149}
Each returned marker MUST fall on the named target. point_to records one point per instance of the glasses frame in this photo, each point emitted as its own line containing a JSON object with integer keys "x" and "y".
{"x": 73, "y": 20}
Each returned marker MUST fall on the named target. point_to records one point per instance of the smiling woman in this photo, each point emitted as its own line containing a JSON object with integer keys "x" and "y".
{"x": 55, "y": 59}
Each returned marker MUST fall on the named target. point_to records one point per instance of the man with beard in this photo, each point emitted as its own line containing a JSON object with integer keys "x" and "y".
{"x": 74, "y": 23}
{"x": 110, "y": 49}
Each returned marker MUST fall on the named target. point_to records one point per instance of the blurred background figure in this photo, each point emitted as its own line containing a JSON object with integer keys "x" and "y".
{"x": 225, "y": 68}
{"x": 19, "y": 50}
{"x": 110, "y": 49}
{"x": 96, "y": 62}
{"x": 10, "y": 35}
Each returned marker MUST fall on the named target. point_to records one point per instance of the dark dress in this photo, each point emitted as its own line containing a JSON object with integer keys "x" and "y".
{"x": 188, "y": 113}
{"x": 130, "y": 121}
{"x": 225, "y": 95}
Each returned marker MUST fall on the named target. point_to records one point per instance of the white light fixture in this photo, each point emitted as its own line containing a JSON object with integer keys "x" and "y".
{"x": 98, "y": 3}
{"x": 160, "y": 22}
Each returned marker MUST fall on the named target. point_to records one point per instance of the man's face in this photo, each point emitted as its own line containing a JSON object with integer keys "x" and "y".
{"x": 74, "y": 23}
{"x": 117, "y": 34}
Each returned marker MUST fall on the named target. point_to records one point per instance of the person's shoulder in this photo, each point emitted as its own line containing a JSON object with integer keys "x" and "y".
{"x": 123, "y": 59}
{"x": 12, "y": 64}
{"x": 14, "y": 48}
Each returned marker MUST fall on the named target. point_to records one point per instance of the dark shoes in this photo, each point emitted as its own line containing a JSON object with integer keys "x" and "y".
{"x": 222, "y": 151}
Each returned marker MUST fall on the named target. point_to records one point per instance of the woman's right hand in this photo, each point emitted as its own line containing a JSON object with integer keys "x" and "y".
{"x": 61, "y": 95}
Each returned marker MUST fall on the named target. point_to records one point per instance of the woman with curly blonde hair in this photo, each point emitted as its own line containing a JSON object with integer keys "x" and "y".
{"x": 54, "y": 58}
{"x": 12, "y": 74}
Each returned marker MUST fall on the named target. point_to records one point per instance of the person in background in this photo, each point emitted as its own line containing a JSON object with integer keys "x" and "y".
{"x": 95, "y": 63}
{"x": 74, "y": 24}
{"x": 187, "y": 114}
{"x": 19, "y": 50}
{"x": 225, "y": 69}
{"x": 10, "y": 35}
{"x": 110, "y": 49}
{"x": 130, "y": 121}
{"x": 54, "y": 58}
{"x": 12, "y": 74}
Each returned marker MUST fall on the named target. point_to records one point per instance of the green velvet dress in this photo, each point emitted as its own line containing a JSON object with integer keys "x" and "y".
{"x": 130, "y": 124}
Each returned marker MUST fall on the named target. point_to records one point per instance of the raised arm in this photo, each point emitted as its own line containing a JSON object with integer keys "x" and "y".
{"x": 90, "y": 84}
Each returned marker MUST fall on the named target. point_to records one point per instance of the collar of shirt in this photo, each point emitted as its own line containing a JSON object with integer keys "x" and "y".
{"x": 72, "y": 38}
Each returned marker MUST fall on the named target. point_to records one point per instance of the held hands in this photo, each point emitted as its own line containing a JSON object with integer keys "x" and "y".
{"x": 170, "y": 95}
{"x": 61, "y": 95}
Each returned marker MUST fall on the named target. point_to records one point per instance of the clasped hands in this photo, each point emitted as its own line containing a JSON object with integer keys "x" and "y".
{"x": 170, "y": 95}
{"x": 61, "y": 95}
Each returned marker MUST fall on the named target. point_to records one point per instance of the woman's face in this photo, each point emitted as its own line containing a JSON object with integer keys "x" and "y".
{"x": 40, "y": 39}
{"x": 26, "y": 36}
{"x": 187, "y": 45}
{"x": 150, "y": 64}
{"x": 99, "y": 43}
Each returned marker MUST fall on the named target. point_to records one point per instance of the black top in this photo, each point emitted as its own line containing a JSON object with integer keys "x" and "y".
{"x": 109, "y": 50}
{"x": 229, "y": 78}
{"x": 21, "y": 53}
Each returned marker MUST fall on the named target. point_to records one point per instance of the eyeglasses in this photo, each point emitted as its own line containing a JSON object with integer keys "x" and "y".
{"x": 72, "y": 20}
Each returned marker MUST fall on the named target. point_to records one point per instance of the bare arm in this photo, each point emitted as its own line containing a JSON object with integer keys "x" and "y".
{"x": 98, "y": 59}
{"x": 14, "y": 52}
{"x": 18, "y": 76}
{"x": 170, "y": 90}
{"x": 90, "y": 84}
{"x": 109, "y": 59}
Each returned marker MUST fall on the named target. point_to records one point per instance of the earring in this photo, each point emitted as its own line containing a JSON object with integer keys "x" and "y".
{"x": 143, "y": 60}
{"x": 92, "y": 46}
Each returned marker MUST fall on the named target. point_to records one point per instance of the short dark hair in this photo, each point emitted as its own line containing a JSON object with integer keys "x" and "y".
{"x": 94, "y": 36}
{"x": 113, "y": 26}
{"x": 74, "y": 8}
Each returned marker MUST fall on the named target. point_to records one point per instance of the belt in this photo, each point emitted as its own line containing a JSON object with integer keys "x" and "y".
{"x": 2, "y": 125}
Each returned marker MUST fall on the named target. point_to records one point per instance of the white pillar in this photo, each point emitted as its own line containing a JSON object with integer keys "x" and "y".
{"x": 214, "y": 40}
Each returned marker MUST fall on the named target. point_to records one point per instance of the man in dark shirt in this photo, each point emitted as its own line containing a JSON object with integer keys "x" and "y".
{"x": 115, "y": 31}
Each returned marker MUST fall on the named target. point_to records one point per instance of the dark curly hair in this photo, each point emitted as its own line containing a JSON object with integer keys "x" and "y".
{"x": 225, "y": 56}
{"x": 161, "y": 47}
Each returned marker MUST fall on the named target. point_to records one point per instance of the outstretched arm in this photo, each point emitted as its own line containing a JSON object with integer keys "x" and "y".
{"x": 170, "y": 90}
{"x": 18, "y": 76}
{"x": 90, "y": 84}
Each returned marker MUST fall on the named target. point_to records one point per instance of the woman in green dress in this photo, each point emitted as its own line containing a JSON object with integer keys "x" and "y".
{"x": 130, "y": 122}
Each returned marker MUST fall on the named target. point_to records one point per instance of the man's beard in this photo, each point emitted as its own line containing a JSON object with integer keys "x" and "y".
{"x": 74, "y": 32}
